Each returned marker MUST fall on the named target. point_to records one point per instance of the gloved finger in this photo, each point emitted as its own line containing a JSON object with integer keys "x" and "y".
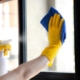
{"x": 61, "y": 22}
{"x": 50, "y": 23}
{"x": 54, "y": 19}
{"x": 57, "y": 20}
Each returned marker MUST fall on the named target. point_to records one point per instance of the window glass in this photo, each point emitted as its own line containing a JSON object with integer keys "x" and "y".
{"x": 9, "y": 30}
{"x": 37, "y": 36}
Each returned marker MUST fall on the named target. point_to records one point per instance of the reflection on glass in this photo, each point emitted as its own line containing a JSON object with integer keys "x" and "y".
{"x": 9, "y": 29}
{"x": 37, "y": 35}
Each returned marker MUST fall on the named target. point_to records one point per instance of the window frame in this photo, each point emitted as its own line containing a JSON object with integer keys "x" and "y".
{"x": 23, "y": 45}
{"x": 22, "y": 31}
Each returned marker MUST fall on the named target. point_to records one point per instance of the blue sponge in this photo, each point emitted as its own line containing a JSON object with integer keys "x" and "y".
{"x": 45, "y": 21}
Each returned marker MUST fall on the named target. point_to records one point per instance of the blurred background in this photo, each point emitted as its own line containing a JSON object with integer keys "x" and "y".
{"x": 36, "y": 34}
{"x": 9, "y": 29}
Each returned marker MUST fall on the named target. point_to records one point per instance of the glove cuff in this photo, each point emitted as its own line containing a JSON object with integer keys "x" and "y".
{"x": 50, "y": 52}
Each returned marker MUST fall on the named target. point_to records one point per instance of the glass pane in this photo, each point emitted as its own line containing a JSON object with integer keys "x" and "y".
{"x": 37, "y": 35}
{"x": 9, "y": 30}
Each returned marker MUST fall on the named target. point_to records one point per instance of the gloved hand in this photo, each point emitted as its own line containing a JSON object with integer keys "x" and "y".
{"x": 54, "y": 37}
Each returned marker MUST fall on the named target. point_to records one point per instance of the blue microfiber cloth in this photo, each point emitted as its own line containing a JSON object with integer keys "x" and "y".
{"x": 45, "y": 21}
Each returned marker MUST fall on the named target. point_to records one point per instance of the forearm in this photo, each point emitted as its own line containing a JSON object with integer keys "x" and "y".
{"x": 12, "y": 75}
{"x": 27, "y": 70}
{"x": 32, "y": 68}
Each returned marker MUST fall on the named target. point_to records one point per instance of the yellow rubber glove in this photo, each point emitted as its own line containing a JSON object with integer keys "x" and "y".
{"x": 54, "y": 34}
